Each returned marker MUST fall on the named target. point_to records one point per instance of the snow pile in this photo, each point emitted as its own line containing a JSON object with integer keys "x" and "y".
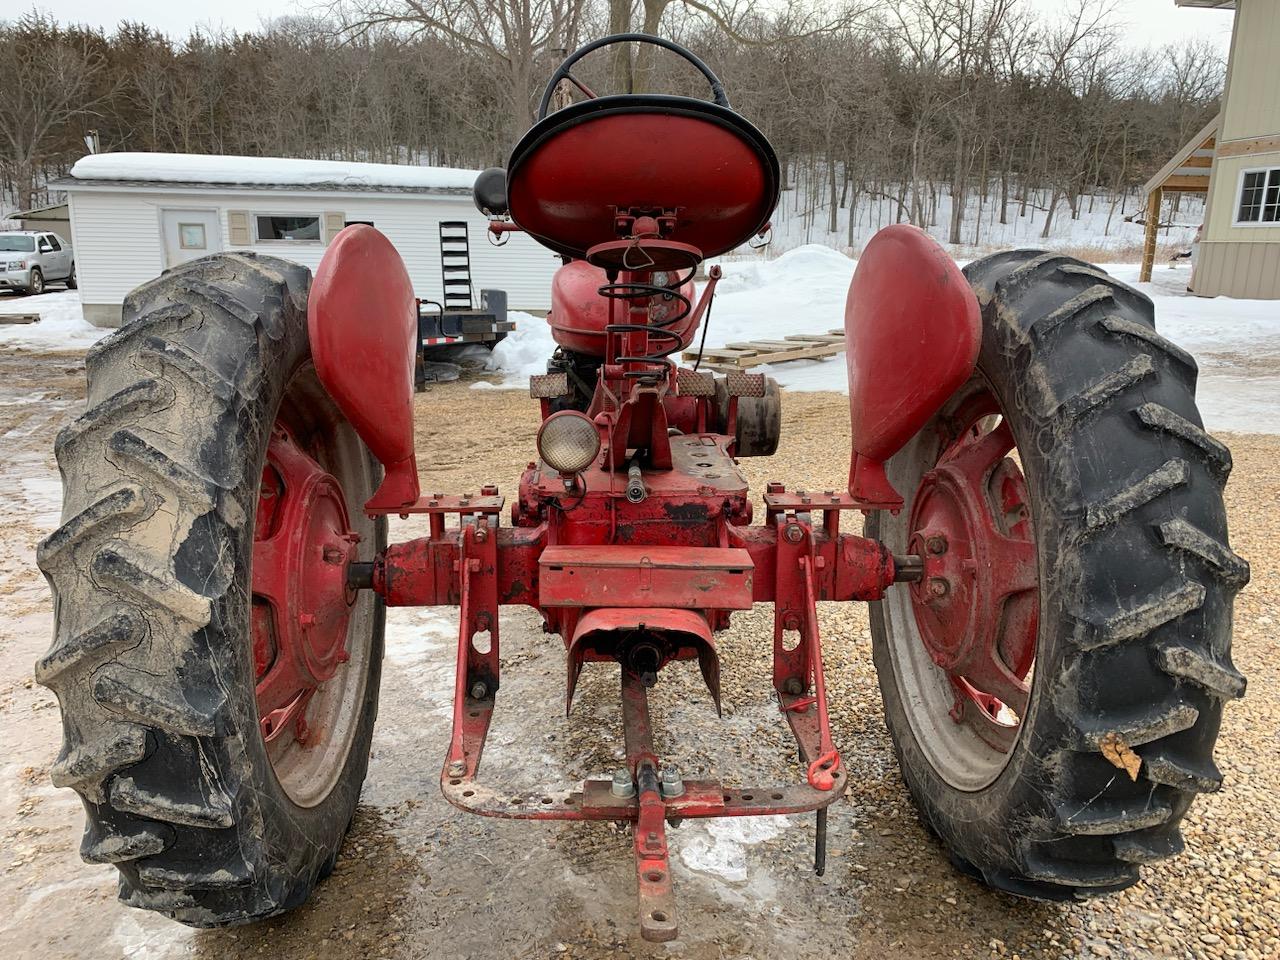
{"x": 1237, "y": 342}
{"x": 199, "y": 168}
{"x": 523, "y": 354}
{"x": 62, "y": 324}
{"x": 801, "y": 291}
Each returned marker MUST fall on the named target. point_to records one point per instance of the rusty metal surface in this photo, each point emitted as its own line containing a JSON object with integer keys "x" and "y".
{"x": 743, "y": 384}
{"x": 442, "y": 503}
{"x": 548, "y": 385}
{"x": 690, "y": 578}
{"x": 692, "y": 383}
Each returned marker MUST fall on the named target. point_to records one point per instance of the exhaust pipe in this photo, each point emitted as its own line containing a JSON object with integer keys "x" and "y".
{"x": 636, "y": 491}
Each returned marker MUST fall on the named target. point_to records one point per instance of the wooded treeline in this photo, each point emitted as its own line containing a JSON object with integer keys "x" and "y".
{"x": 974, "y": 98}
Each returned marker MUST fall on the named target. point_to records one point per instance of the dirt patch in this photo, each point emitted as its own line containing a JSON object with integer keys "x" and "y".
{"x": 418, "y": 879}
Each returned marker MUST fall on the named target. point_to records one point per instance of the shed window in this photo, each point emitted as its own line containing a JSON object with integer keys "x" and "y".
{"x": 191, "y": 236}
{"x": 288, "y": 228}
{"x": 1259, "y": 197}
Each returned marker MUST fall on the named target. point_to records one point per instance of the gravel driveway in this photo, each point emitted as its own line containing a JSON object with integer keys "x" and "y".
{"x": 418, "y": 879}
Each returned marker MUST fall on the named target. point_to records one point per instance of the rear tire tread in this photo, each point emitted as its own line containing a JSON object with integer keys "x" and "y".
{"x": 1087, "y": 346}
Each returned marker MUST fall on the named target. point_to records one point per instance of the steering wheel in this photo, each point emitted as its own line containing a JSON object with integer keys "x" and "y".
{"x": 563, "y": 71}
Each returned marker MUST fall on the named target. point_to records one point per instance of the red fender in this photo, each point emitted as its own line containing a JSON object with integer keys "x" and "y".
{"x": 913, "y": 329}
{"x": 361, "y": 318}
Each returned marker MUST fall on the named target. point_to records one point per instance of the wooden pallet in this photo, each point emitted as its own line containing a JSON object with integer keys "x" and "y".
{"x": 754, "y": 353}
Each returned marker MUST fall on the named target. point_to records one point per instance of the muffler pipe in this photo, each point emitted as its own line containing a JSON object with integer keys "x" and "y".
{"x": 636, "y": 492}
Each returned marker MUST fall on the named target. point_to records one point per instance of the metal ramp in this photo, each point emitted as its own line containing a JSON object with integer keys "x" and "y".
{"x": 455, "y": 265}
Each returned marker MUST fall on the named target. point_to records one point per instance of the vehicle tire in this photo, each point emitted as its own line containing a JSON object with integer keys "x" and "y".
{"x": 72, "y": 282}
{"x": 36, "y": 284}
{"x": 173, "y": 647}
{"x": 1111, "y": 605}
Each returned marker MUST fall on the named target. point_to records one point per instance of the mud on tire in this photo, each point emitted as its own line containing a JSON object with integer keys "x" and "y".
{"x": 152, "y": 661}
{"x": 1136, "y": 587}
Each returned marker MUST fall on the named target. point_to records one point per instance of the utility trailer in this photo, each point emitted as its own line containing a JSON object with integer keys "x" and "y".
{"x": 455, "y": 318}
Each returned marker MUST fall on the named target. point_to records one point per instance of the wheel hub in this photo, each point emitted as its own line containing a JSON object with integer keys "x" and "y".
{"x": 302, "y": 549}
{"x": 976, "y": 605}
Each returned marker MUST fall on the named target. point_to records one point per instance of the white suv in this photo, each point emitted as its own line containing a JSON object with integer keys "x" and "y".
{"x": 29, "y": 260}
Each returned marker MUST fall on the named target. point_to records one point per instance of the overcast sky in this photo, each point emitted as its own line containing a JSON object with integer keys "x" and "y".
{"x": 1149, "y": 22}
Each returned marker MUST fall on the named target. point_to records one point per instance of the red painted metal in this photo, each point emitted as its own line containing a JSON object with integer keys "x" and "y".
{"x": 977, "y": 604}
{"x": 643, "y": 640}
{"x": 579, "y": 314}
{"x": 362, "y": 321}
{"x": 303, "y": 544}
{"x": 691, "y": 578}
{"x": 642, "y": 557}
{"x": 570, "y": 187}
{"x": 913, "y": 328}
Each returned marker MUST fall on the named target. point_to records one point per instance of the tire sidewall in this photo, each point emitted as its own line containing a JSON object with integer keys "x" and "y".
{"x": 1008, "y": 808}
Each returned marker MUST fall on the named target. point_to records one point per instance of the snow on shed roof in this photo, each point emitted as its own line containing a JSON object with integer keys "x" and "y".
{"x": 205, "y": 170}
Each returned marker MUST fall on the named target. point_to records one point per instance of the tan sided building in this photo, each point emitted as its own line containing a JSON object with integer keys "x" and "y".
{"x": 1239, "y": 254}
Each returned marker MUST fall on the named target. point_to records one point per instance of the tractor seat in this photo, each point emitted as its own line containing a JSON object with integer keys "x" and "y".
{"x": 579, "y": 167}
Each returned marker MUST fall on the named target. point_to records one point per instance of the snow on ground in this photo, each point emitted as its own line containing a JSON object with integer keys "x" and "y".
{"x": 1099, "y": 225}
{"x": 62, "y": 324}
{"x": 200, "y": 168}
{"x": 1237, "y": 342}
{"x": 803, "y": 291}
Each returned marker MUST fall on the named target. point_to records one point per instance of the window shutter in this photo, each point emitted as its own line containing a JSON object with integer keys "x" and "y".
{"x": 333, "y": 223}
{"x": 238, "y": 228}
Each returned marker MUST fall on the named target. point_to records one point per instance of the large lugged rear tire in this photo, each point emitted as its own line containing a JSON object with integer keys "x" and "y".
{"x": 153, "y": 658}
{"x": 1135, "y": 582}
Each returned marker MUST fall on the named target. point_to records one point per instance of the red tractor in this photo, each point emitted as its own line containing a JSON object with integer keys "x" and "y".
{"x": 1045, "y": 545}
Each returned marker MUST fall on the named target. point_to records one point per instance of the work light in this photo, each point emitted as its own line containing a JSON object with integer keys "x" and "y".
{"x": 568, "y": 442}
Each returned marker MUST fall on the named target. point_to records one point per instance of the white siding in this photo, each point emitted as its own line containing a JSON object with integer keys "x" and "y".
{"x": 118, "y": 243}
{"x": 116, "y": 238}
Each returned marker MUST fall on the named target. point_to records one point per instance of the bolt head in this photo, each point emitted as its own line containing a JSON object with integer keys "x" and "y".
{"x": 456, "y": 768}
{"x": 333, "y": 555}
{"x": 936, "y": 544}
{"x": 622, "y": 786}
{"x": 939, "y": 586}
{"x": 794, "y": 533}
{"x": 478, "y": 690}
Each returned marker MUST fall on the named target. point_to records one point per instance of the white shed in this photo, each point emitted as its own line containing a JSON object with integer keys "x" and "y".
{"x": 134, "y": 215}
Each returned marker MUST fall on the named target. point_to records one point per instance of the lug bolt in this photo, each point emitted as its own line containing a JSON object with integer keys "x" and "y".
{"x": 936, "y": 544}
{"x": 671, "y": 784}
{"x": 622, "y": 786}
{"x": 456, "y": 769}
{"x": 939, "y": 587}
{"x": 478, "y": 690}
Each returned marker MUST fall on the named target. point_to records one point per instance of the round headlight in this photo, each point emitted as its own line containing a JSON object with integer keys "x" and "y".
{"x": 568, "y": 442}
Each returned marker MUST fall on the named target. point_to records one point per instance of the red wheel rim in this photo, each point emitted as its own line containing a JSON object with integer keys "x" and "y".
{"x": 303, "y": 544}
{"x": 977, "y": 605}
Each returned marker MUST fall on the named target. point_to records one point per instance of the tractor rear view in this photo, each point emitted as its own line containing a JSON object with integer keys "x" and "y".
{"x": 1045, "y": 548}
